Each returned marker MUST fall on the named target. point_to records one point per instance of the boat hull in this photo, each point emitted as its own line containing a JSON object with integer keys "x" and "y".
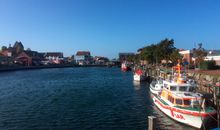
{"x": 178, "y": 114}
{"x": 126, "y": 68}
{"x": 153, "y": 90}
{"x": 139, "y": 77}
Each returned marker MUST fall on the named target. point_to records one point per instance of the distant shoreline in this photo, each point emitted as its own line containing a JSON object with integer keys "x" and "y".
{"x": 17, "y": 68}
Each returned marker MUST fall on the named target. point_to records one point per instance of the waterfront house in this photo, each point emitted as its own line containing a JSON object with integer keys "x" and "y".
{"x": 6, "y": 57}
{"x": 29, "y": 58}
{"x": 54, "y": 57}
{"x": 83, "y": 57}
{"x": 6, "y": 52}
{"x": 5, "y": 60}
{"x": 100, "y": 60}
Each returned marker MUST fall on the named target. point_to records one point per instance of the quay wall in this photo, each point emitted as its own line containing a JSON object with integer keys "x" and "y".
{"x": 206, "y": 82}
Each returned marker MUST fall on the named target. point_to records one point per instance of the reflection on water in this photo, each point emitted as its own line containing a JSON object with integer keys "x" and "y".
{"x": 137, "y": 85}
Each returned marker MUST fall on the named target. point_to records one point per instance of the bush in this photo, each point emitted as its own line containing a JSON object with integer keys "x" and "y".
{"x": 208, "y": 65}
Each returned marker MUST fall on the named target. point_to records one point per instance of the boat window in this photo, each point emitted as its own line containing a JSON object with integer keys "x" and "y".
{"x": 194, "y": 103}
{"x": 179, "y": 101}
{"x": 187, "y": 94}
{"x": 173, "y": 88}
{"x": 183, "y": 88}
{"x": 192, "y": 89}
{"x": 171, "y": 99}
{"x": 186, "y": 102}
{"x": 165, "y": 86}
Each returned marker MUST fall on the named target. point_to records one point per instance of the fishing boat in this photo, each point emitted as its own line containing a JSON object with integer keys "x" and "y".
{"x": 179, "y": 101}
{"x": 156, "y": 86}
{"x": 139, "y": 75}
{"x": 125, "y": 67}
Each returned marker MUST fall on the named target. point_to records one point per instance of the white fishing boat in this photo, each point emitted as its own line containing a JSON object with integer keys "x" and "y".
{"x": 139, "y": 75}
{"x": 125, "y": 67}
{"x": 179, "y": 101}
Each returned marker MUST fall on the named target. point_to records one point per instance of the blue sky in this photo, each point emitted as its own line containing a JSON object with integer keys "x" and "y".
{"x": 107, "y": 27}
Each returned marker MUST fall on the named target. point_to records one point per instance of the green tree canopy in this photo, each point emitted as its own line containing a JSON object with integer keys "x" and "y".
{"x": 4, "y": 48}
{"x": 199, "y": 54}
{"x": 175, "y": 56}
{"x": 165, "y": 49}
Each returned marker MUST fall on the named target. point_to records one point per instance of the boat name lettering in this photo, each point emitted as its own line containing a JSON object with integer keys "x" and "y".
{"x": 179, "y": 116}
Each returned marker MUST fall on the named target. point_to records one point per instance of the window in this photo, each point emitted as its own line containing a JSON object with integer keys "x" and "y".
{"x": 173, "y": 88}
{"x": 186, "y": 102}
{"x": 172, "y": 99}
{"x": 165, "y": 86}
{"x": 179, "y": 101}
{"x": 169, "y": 98}
{"x": 192, "y": 89}
{"x": 183, "y": 88}
{"x": 195, "y": 103}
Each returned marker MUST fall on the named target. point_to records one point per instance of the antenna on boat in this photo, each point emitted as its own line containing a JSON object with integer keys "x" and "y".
{"x": 178, "y": 70}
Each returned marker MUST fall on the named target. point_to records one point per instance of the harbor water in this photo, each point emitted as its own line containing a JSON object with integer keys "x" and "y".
{"x": 77, "y": 98}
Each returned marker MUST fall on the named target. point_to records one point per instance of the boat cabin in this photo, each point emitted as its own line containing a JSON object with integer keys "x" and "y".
{"x": 175, "y": 87}
{"x": 182, "y": 95}
{"x": 185, "y": 100}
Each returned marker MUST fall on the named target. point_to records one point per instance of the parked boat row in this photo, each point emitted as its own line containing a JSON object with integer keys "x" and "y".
{"x": 178, "y": 99}
{"x": 176, "y": 96}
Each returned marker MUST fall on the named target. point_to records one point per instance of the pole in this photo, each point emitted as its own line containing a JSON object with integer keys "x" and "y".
{"x": 217, "y": 96}
{"x": 151, "y": 123}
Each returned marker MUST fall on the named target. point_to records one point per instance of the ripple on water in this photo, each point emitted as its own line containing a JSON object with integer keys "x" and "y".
{"x": 73, "y": 98}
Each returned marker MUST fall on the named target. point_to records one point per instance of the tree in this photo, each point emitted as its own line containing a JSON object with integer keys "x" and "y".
{"x": 4, "y": 48}
{"x": 166, "y": 48}
{"x": 175, "y": 56}
{"x": 28, "y": 49}
{"x": 199, "y": 54}
{"x": 148, "y": 53}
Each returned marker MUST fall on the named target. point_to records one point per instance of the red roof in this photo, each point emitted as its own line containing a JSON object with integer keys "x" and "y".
{"x": 80, "y": 53}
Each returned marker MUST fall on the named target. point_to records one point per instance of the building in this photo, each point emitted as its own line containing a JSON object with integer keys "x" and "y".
{"x": 100, "y": 60}
{"x": 53, "y": 57}
{"x": 6, "y": 57}
{"x": 29, "y": 58}
{"x": 213, "y": 55}
{"x": 83, "y": 57}
{"x": 187, "y": 55}
{"x": 7, "y": 53}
